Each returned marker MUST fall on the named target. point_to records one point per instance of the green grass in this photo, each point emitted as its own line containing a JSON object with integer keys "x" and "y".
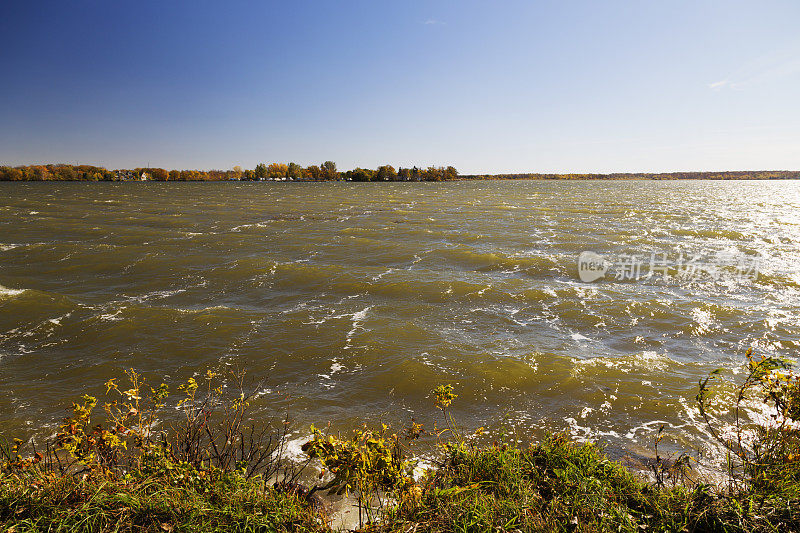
{"x": 559, "y": 485}
{"x": 556, "y": 485}
{"x": 224, "y": 502}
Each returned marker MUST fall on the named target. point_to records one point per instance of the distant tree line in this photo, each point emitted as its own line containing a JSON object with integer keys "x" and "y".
{"x": 61, "y": 172}
{"x": 388, "y": 173}
{"x": 327, "y": 171}
{"x": 55, "y": 172}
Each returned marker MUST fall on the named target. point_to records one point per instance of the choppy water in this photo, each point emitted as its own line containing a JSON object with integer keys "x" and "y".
{"x": 356, "y": 299}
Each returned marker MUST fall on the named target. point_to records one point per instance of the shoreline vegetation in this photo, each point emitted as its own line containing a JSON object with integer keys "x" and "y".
{"x": 327, "y": 171}
{"x": 122, "y": 464}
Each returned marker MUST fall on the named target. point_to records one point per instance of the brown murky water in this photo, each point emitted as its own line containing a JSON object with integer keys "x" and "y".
{"x": 356, "y": 299}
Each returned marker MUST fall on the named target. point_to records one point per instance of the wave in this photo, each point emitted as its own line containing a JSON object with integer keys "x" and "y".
{"x": 296, "y": 274}
{"x": 732, "y": 235}
{"x": 647, "y": 361}
{"x": 263, "y": 224}
{"x": 358, "y": 319}
{"x": 494, "y": 261}
{"x": 5, "y": 292}
{"x": 429, "y": 291}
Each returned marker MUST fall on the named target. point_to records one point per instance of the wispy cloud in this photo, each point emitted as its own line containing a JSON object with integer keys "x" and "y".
{"x": 434, "y": 22}
{"x": 769, "y": 68}
{"x": 718, "y": 84}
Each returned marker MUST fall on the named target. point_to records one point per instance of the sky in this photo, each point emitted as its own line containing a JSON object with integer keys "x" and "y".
{"x": 488, "y": 87}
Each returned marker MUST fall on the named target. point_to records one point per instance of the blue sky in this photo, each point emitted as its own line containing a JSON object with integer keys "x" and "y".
{"x": 561, "y": 86}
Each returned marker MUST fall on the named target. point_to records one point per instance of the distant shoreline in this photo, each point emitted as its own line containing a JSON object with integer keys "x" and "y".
{"x": 791, "y": 178}
{"x": 328, "y": 172}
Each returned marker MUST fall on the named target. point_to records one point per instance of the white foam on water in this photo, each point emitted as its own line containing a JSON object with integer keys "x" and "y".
{"x": 293, "y": 448}
{"x": 358, "y": 318}
{"x": 263, "y": 224}
{"x": 379, "y": 276}
{"x": 10, "y": 293}
{"x": 422, "y": 466}
{"x": 263, "y": 392}
{"x": 653, "y": 360}
{"x": 647, "y": 427}
{"x": 648, "y": 361}
{"x": 578, "y": 432}
{"x": 112, "y": 317}
{"x": 704, "y": 320}
{"x": 162, "y": 294}
{"x": 299, "y": 307}
{"x": 203, "y": 309}
{"x": 57, "y": 321}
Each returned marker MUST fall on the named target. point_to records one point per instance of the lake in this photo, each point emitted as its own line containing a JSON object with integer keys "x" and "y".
{"x": 349, "y": 302}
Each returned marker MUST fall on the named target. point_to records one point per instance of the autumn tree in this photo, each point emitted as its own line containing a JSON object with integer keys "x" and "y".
{"x": 260, "y": 171}
{"x": 11, "y": 174}
{"x": 385, "y": 173}
{"x": 329, "y": 171}
{"x": 158, "y": 174}
{"x": 277, "y": 170}
{"x": 313, "y": 172}
{"x": 294, "y": 171}
{"x": 360, "y": 174}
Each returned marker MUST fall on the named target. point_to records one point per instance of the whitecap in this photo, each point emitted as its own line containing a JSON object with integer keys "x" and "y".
{"x": 112, "y": 317}
{"x": 10, "y": 293}
{"x": 57, "y": 321}
{"x": 357, "y": 317}
{"x": 379, "y": 276}
{"x": 293, "y": 448}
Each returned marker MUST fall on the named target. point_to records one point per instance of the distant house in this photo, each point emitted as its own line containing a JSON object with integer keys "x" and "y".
{"x": 145, "y": 176}
{"x": 125, "y": 175}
